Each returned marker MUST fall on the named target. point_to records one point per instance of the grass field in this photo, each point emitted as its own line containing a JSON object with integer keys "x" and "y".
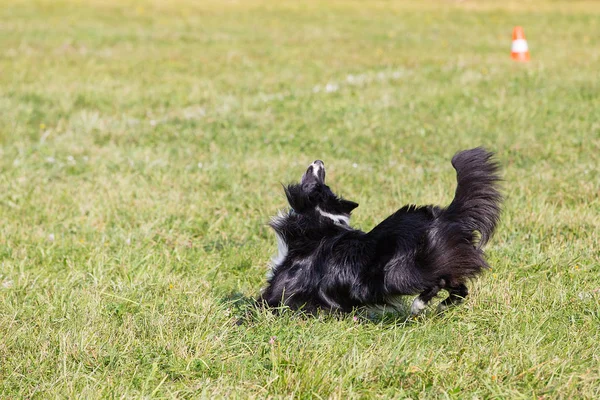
{"x": 141, "y": 149}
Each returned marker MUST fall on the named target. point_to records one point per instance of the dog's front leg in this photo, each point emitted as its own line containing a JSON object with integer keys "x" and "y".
{"x": 457, "y": 295}
{"x": 420, "y": 303}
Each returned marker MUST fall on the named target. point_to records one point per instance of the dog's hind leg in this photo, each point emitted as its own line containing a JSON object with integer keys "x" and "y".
{"x": 420, "y": 303}
{"x": 457, "y": 295}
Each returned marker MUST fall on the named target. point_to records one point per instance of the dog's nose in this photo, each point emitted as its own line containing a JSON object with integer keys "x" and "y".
{"x": 318, "y": 163}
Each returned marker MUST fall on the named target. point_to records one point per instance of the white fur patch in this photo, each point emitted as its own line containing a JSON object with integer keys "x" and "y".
{"x": 282, "y": 251}
{"x": 339, "y": 219}
{"x": 316, "y": 168}
{"x": 417, "y": 306}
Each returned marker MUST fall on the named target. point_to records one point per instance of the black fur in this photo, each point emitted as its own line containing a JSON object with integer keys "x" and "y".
{"x": 417, "y": 250}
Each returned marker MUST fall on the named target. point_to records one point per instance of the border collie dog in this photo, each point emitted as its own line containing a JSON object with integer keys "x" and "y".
{"x": 324, "y": 263}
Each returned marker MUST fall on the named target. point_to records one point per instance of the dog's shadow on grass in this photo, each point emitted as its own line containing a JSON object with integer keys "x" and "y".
{"x": 247, "y": 310}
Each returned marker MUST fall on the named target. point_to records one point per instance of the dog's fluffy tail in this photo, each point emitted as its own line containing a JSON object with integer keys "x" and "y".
{"x": 476, "y": 204}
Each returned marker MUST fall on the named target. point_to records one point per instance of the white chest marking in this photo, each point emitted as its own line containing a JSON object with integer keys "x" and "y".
{"x": 282, "y": 251}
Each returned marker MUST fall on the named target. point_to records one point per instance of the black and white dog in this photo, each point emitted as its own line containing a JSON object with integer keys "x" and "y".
{"x": 323, "y": 263}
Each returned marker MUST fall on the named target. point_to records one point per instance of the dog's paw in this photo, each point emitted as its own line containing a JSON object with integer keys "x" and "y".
{"x": 417, "y": 306}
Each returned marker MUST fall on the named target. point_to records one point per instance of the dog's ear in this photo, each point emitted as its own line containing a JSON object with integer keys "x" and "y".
{"x": 314, "y": 175}
{"x": 296, "y": 197}
{"x": 348, "y": 206}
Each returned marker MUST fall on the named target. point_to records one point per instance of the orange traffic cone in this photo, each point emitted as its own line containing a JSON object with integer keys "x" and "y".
{"x": 519, "y": 50}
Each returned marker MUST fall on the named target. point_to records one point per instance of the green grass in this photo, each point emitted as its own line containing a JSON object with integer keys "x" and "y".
{"x": 141, "y": 149}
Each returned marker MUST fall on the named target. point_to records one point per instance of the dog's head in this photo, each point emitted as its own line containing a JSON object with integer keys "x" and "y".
{"x": 312, "y": 195}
